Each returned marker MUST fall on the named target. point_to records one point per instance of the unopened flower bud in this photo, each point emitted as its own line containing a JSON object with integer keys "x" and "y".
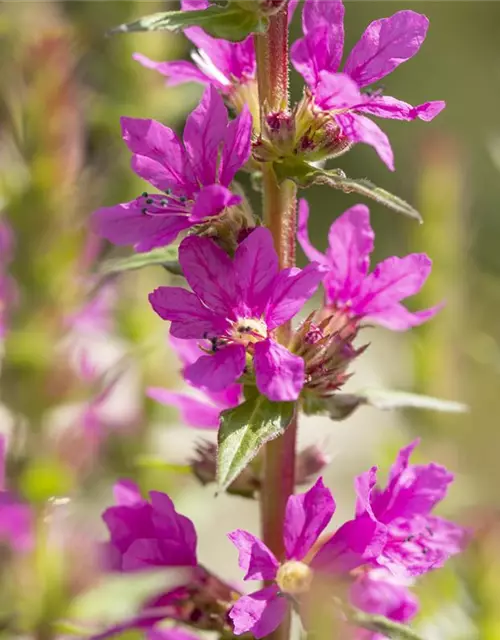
{"x": 309, "y": 463}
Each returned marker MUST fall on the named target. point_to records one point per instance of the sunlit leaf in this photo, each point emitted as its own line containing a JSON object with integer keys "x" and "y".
{"x": 232, "y": 22}
{"x": 341, "y": 405}
{"x": 244, "y": 429}
{"x": 305, "y": 175}
{"x": 164, "y": 256}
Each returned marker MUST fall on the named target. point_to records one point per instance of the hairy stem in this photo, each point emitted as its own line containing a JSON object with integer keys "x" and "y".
{"x": 279, "y": 204}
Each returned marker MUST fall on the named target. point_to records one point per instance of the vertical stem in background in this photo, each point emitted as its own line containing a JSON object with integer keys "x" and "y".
{"x": 279, "y": 204}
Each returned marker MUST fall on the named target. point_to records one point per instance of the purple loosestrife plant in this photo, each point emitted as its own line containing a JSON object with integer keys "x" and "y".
{"x": 253, "y": 366}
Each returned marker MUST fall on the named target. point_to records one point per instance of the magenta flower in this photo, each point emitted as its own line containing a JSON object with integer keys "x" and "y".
{"x": 385, "y": 45}
{"x": 356, "y": 542}
{"x": 147, "y": 534}
{"x": 216, "y": 62}
{"x": 378, "y": 592}
{"x": 417, "y": 540}
{"x": 201, "y": 412}
{"x": 227, "y": 66}
{"x": 194, "y": 177}
{"x": 237, "y": 304}
{"x": 375, "y": 296}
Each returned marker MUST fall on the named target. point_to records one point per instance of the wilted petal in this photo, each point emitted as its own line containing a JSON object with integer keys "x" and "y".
{"x": 176, "y": 72}
{"x": 388, "y": 107}
{"x": 152, "y": 139}
{"x": 351, "y": 241}
{"x": 323, "y": 42}
{"x": 307, "y": 514}
{"x": 259, "y": 613}
{"x": 279, "y": 374}
{"x": 217, "y": 371}
{"x": 210, "y": 201}
{"x": 204, "y": 133}
{"x": 189, "y": 317}
{"x": 256, "y": 268}
{"x": 254, "y": 557}
{"x": 209, "y": 272}
{"x": 236, "y": 150}
{"x": 291, "y": 290}
{"x": 361, "y": 129}
{"x": 385, "y": 45}
{"x": 303, "y": 234}
{"x": 126, "y": 224}
{"x": 336, "y": 91}
{"x": 391, "y": 281}
{"x": 194, "y": 412}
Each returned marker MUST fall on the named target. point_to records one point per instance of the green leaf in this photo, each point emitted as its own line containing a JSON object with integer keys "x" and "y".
{"x": 305, "y": 175}
{"x": 120, "y": 597}
{"x": 164, "y": 256}
{"x": 232, "y": 22}
{"x": 244, "y": 430}
{"x": 379, "y": 624}
{"x": 341, "y": 405}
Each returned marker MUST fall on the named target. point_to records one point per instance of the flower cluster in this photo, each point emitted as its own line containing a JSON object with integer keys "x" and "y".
{"x": 251, "y": 363}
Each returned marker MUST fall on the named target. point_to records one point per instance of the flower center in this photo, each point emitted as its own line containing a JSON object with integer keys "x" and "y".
{"x": 294, "y": 577}
{"x": 247, "y": 331}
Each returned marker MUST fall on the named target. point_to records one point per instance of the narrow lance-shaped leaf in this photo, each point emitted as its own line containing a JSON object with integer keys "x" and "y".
{"x": 230, "y": 23}
{"x": 164, "y": 256}
{"x": 244, "y": 429}
{"x": 380, "y": 625}
{"x": 341, "y": 405}
{"x": 305, "y": 175}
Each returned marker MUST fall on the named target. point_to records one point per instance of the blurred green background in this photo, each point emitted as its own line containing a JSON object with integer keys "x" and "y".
{"x": 64, "y": 86}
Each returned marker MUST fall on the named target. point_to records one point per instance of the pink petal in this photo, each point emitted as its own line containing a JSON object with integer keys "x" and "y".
{"x": 291, "y": 290}
{"x": 254, "y": 557}
{"x": 236, "y": 150}
{"x": 209, "y": 272}
{"x": 303, "y": 234}
{"x": 170, "y": 633}
{"x": 176, "y": 72}
{"x": 127, "y": 493}
{"x": 383, "y": 596}
{"x": 279, "y": 374}
{"x": 307, "y": 515}
{"x": 355, "y": 543}
{"x": 398, "y": 318}
{"x": 174, "y": 527}
{"x": 186, "y": 350}
{"x": 159, "y": 143}
{"x": 194, "y": 412}
{"x": 323, "y": 42}
{"x": 351, "y": 241}
{"x": 388, "y": 107}
{"x": 336, "y": 91}
{"x": 392, "y": 280}
{"x": 210, "y": 201}
{"x": 361, "y": 129}
{"x": 217, "y": 371}
{"x": 385, "y": 45}
{"x": 189, "y": 317}
{"x": 256, "y": 268}
{"x": 204, "y": 132}
{"x": 3, "y": 455}
{"x": 364, "y": 485}
{"x": 125, "y": 224}
{"x": 259, "y": 613}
